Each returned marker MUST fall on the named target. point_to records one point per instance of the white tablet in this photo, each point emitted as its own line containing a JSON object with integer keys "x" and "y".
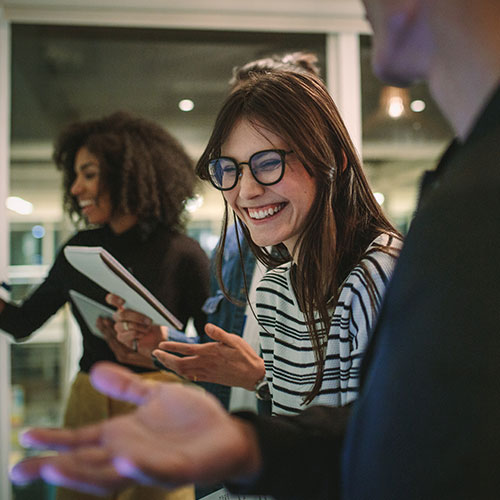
{"x": 91, "y": 311}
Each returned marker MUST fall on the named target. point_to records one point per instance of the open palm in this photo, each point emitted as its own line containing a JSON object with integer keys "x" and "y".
{"x": 178, "y": 435}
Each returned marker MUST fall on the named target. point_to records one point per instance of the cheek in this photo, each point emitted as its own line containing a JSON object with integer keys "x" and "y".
{"x": 230, "y": 197}
{"x": 305, "y": 195}
{"x": 104, "y": 202}
{"x": 311, "y": 195}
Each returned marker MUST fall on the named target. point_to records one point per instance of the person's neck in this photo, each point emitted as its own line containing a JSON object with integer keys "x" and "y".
{"x": 465, "y": 70}
{"x": 122, "y": 223}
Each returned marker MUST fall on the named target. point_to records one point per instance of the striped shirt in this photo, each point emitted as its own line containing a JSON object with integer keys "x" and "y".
{"x": 287, "y": 349}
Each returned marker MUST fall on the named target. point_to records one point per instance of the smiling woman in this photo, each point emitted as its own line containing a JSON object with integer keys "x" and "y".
{"x": 273, "y": 212}
{"x": 284, "y": 162}
{"x": 126, "y": 180}
{"x": 96, "y": 207}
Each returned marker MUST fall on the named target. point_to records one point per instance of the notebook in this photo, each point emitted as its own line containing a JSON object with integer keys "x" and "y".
{"x": 101, "y": 267}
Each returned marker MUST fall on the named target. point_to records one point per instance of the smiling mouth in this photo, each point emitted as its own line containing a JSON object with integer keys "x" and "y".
{"x": 85, "y": 203}
{"x": 264, "y": 213}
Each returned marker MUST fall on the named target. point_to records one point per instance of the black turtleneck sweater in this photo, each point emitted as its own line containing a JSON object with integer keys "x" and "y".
{"x": 171, "y": 265}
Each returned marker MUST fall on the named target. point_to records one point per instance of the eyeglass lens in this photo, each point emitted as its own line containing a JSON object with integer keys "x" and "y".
{"x": 266, "y": 166}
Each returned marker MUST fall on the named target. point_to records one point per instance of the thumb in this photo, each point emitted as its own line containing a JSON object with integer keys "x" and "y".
{"x": 114, "y": 300}
{"x": 119, "y": 383}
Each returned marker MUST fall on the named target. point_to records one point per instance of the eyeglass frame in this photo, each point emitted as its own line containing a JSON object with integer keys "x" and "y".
{"x": 281, "y": 152}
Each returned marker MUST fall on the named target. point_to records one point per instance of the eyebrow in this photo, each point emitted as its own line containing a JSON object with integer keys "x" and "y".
{"x": 84, "y": 166}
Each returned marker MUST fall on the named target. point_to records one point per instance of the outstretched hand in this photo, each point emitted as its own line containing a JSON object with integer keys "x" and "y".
{"x": 229, "y": 360}
{"x": 178, "y": 435}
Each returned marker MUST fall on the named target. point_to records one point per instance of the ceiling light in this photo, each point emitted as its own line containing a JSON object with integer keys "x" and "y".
{"x": 395, "y": 108}
{"x": 394, "y": 101}
{"x": 186, "y": 105}
{"x": 19, "y": 205}
{"x": 417, "y": 106}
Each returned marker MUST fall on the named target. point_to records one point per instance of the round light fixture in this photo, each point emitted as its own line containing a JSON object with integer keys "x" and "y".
{"x": 186, "y": 105}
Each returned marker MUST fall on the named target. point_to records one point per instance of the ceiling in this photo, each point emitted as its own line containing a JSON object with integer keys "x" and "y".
{"x": 60, "y": 74}
{"x": 66, "y": 73}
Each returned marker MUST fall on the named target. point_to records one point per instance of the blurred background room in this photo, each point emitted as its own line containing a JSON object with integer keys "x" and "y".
{"x": 168, "y": 60}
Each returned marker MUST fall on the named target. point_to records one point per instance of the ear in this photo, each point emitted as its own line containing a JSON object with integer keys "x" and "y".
{"x": 344, "y": 163}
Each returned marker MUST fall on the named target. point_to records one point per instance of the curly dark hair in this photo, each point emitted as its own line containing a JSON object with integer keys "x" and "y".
{"x": 145, "y": 170}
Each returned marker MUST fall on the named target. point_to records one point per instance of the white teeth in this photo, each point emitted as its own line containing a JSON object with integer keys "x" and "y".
{"x": 84, "y": 203}
{"x": 262, "y": 214}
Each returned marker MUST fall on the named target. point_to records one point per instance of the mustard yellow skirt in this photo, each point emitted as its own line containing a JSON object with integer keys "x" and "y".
{"x": 86, "y": 406}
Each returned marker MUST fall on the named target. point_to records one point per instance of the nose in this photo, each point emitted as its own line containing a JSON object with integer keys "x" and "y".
{"x": 248, "y": 187}
{"x": 76, "y": 187}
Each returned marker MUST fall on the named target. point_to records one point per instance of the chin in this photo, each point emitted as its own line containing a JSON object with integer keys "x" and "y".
{"x": 96, "y": 221}
{"x": 263, "y": 241}
{"x": 392, "y": 73}
{"x": 392, "y": 77}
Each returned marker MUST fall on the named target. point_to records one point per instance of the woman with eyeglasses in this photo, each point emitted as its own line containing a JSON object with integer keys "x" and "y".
{"x": 285, "y": 165}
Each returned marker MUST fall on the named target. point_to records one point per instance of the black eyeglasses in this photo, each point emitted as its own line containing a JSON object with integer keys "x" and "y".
{"x": 267, "y": 168}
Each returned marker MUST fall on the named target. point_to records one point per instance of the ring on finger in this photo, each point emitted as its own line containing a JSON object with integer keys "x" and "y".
{"x": 125, "y": 326}
{"x": 134, "y": 345}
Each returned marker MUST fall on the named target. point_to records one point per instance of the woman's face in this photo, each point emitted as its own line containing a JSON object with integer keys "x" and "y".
{"x": 95, "y": 207}
{"x": 273, "y": 214}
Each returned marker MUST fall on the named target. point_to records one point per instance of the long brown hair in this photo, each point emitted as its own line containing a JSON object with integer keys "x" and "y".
{"x": 344, "y": 218}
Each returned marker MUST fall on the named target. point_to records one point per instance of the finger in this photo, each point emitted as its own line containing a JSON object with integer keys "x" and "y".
{"x": 132, "y": 317}
{"x": 88, "y": 470}
{"x": 27, "y": 471}
{"x": 105, "y": 325}
{"x": 220, "y": 335}
{"x": 164, "y": 332}
{"x": 181, "y": 347}
{"x": 126, "y": 337}
{"x": 100, "y": 324}
{"x": 60, "y": 439}
{"x": 116, "y": 346}
{"x": 188, "y": 368}
{"x": 119, "y": 383}
{"x": 149, "y": 476}
{"x": 170, "y": 361}
{"x": 114, "y": 300}
{"x": 122, "y": 326}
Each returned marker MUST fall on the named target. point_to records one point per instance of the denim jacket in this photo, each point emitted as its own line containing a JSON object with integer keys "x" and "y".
{"x": 219, "y": 310}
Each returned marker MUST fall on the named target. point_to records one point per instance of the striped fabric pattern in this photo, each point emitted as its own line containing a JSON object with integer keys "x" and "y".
{"x": 286, "y": 347}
